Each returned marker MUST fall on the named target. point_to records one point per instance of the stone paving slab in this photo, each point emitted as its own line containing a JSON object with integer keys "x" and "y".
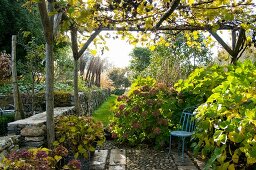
{"x": 40, "y": 118}
{"x": 117, "y": 167}
{"x": 178, "y": 160}
{"x": 187, "y": 168}
{"x": 117, "y": 157}
{"x": 99, "y": 160}
{"x": 147, "y": 158}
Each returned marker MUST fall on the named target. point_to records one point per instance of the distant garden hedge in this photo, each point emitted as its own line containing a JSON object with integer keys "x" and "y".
{"x": 4, "y": 120}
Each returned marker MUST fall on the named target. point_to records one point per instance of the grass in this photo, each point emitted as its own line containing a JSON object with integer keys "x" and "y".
{"x": 105, "y": 112}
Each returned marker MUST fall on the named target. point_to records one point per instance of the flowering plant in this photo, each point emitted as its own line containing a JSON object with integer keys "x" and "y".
{"x": 145, "y": 114}
{"x": 38, "y": 158}
{"x": 80, "y": 134}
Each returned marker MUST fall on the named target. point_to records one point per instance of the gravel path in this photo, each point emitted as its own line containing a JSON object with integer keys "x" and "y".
{"x": 143, "y": 157}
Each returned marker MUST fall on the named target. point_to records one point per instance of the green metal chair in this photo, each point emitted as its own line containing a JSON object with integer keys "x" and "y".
{"x": 187, "y": 123}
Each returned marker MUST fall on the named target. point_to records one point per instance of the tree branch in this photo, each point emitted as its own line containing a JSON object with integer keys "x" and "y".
{"x": 173, "y": 5}
{"x": 240, "y": 41}
{"x": 74, "y": 42}
{"x": 168, "y": 28}
{"x": 224, "y": 45}
{"x": 45, "y": 21}
{"x": 85, "y": 46}
{"x": 56, "y": 23}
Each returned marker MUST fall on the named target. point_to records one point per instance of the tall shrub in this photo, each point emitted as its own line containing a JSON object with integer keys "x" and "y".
{"x": 145, "y": 114}
{"x": 226, "y": 130}
{"x": 198, "y": 86}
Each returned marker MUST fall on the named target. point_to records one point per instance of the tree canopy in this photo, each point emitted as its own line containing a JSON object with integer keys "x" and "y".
{"x": 140, "y": 60}
{"x": 14, "y": 20}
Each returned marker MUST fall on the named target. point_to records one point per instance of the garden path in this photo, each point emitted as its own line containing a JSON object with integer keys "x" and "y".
{"x": 114, "y": 157}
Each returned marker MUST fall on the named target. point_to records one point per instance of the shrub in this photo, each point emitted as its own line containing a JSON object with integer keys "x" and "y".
{"x": 79, "y": 134}
{"x": 4, "y": 120}
{"x": 226, "y": 130}
{"x": 5, "y": 65}
{"x": 38, "y": 158}
{"x": 118, "y": 91}
{"x": 198, "y": 86}
{"x": 145, "y": 114}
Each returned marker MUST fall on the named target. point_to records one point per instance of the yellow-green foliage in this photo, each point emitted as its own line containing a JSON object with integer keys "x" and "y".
{"x": 38, "y": 158}
{"x": 79, "y": 133}
{"x": 62, "y": 98}
{"x": 226, "y": 126}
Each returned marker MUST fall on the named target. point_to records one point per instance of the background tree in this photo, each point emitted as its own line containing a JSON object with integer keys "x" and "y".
{"x": 94, "y": 70}
{"x": 14, "y": 16}
{"x": 178, "y": 59}
{"x": 32, "y": 69}
{"x": 140, "y": 60}
{"x": 119, "y": 78}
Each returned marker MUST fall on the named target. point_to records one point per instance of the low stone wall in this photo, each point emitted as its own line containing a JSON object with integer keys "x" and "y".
{"x": 89, "y": 100}
{"x": 7, "y": 144}
{"x": 32, "y": 130}
{"x": 92, "y": 100}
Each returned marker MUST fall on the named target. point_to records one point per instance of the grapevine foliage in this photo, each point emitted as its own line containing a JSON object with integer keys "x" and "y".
{"x": 226, "y": 129}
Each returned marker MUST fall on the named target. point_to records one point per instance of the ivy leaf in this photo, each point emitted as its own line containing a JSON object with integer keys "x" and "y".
{"x": 62, "y": 139}
{"x": 235, "y": 157}
{"x": 55, "y": 143}
{"x": 235, "y": 137}
{"x": 57, "y": 157}
{"x": 231, "y": 167}
{"x": 76, "y": 155}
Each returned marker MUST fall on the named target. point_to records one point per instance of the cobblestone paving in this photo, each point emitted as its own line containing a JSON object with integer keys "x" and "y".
{"x": 146, "y": 158}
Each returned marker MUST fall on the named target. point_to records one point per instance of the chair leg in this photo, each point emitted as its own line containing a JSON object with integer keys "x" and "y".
{"x": 170, "y": 147}
{"x": 183, "y": 143}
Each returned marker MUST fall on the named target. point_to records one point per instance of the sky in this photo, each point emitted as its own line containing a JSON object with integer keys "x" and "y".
{"x": 118, "y": 53}
{"x": 119, "y": 50}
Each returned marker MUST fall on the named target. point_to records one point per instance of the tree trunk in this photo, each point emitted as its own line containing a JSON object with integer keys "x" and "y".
{"x": 75, "y": 57}
{"x": 48, "y": 22}
{"x": 76, "y": 96}
{"x": 19, "y": 114}
{"x": 33, "y": 93}
{"x": 49, "y": 94}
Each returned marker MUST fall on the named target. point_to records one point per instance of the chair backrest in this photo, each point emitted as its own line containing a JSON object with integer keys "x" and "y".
{"x": 187, "y": 121}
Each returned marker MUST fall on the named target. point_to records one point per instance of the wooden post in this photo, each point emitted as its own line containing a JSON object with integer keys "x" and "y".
{"x": 19, "y": 114}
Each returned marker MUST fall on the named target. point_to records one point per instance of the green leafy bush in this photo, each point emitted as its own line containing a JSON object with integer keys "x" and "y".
{"x": 145, "y": 114}
{"x": 118, "y": 91}
{"x": 198, "y": 86}
{"x": 4, "y": 120}
{"x": 226, "y": 129}
{"x": 79, "y": 134}
{"x": 38, "y": 158}
{"x": 5, "y": 88}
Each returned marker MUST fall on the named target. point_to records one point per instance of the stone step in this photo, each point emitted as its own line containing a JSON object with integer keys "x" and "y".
{"x": 99, "y": 160}
{"x": 117, "y": 157}
{"x": 117, "y": 167}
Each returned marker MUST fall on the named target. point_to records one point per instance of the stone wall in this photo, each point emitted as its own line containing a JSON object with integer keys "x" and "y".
{"x": 89, "y": 100}
{"x": 7, "y": 144}
{"x": 32, "y": 130}
{"x": 92, "y": 100}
